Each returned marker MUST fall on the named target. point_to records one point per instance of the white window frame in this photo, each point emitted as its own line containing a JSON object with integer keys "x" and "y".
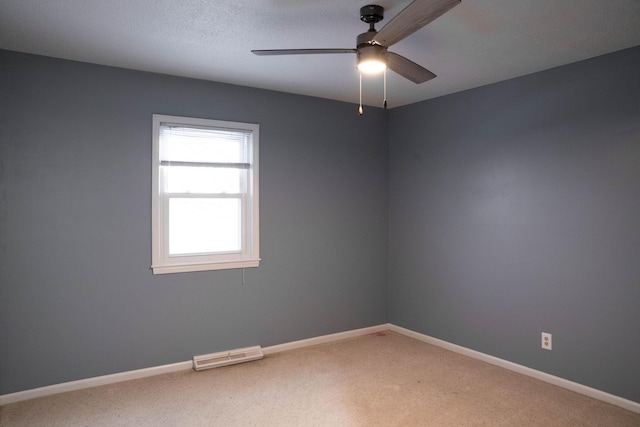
{"x": 249, "y": 256}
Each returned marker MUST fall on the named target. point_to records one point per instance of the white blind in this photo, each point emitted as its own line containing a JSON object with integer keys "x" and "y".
{"x": 203, "y": 145}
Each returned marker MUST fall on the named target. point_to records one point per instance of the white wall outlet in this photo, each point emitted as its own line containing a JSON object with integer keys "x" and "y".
{"x": 546, "y": 341}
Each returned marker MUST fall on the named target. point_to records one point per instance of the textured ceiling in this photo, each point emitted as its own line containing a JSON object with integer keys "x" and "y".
{"x": 476, "y": 43}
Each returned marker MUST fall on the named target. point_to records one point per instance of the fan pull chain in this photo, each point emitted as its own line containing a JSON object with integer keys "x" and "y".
{"x": 385, "y": 89}
{"x": 360, "y": 107}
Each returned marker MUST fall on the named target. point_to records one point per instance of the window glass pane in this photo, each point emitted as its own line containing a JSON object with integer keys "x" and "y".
{"x": 182, "y": 179}
{"x": 203, "y": 145}
{"x": 198, "y": 226}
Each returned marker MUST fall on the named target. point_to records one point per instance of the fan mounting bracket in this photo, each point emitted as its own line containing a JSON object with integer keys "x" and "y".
{"x": 371, "y": 13}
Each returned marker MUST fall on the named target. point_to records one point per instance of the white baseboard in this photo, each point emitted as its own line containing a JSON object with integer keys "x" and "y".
{"x": 323, "y": 339}
{"x": 93, "y": 382}
{"x": 552, "y": 379}
{"x": 185, "y": 366}
{"x": 174, "y": 367}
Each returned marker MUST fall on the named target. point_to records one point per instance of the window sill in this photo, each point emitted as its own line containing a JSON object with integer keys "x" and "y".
{"x": 184, "y": 268}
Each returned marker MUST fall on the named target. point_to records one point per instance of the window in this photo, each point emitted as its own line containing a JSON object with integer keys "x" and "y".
{"x": 205, "y": 195}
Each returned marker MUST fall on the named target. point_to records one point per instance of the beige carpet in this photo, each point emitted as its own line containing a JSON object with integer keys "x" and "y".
{"x": 376, "y": 380}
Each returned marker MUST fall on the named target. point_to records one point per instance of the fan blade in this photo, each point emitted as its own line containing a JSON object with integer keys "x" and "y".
{"x": 408, "y": 69}
{"x": 300, "y": 51}
{"x": 411, "y": 19}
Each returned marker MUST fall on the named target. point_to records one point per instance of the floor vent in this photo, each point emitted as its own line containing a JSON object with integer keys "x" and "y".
{"x": 224, "y": 358}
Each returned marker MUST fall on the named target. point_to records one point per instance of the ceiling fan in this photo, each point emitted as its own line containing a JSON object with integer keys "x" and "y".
{"x": 371, "y": 47}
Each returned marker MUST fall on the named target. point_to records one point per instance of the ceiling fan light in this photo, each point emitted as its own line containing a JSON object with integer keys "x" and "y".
{"x": 371, "y": 58}
{"x": 372, "y": 66}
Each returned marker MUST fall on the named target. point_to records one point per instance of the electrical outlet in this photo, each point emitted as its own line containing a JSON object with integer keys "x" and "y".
{"x": 546, "y": 341}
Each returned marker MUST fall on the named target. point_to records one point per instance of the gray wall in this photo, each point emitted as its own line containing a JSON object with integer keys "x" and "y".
{"x": 77, "y": 298}
{"x": 515, "y": 209}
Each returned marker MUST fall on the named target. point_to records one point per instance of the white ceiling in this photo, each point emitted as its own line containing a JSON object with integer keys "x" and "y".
{"x": 476, "y": 43}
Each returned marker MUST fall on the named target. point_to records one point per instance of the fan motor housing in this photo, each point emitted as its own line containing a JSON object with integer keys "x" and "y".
{"x": 364, "y": 39}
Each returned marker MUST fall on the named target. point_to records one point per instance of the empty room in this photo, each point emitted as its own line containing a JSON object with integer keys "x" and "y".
{"x": 319, "y": 213}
